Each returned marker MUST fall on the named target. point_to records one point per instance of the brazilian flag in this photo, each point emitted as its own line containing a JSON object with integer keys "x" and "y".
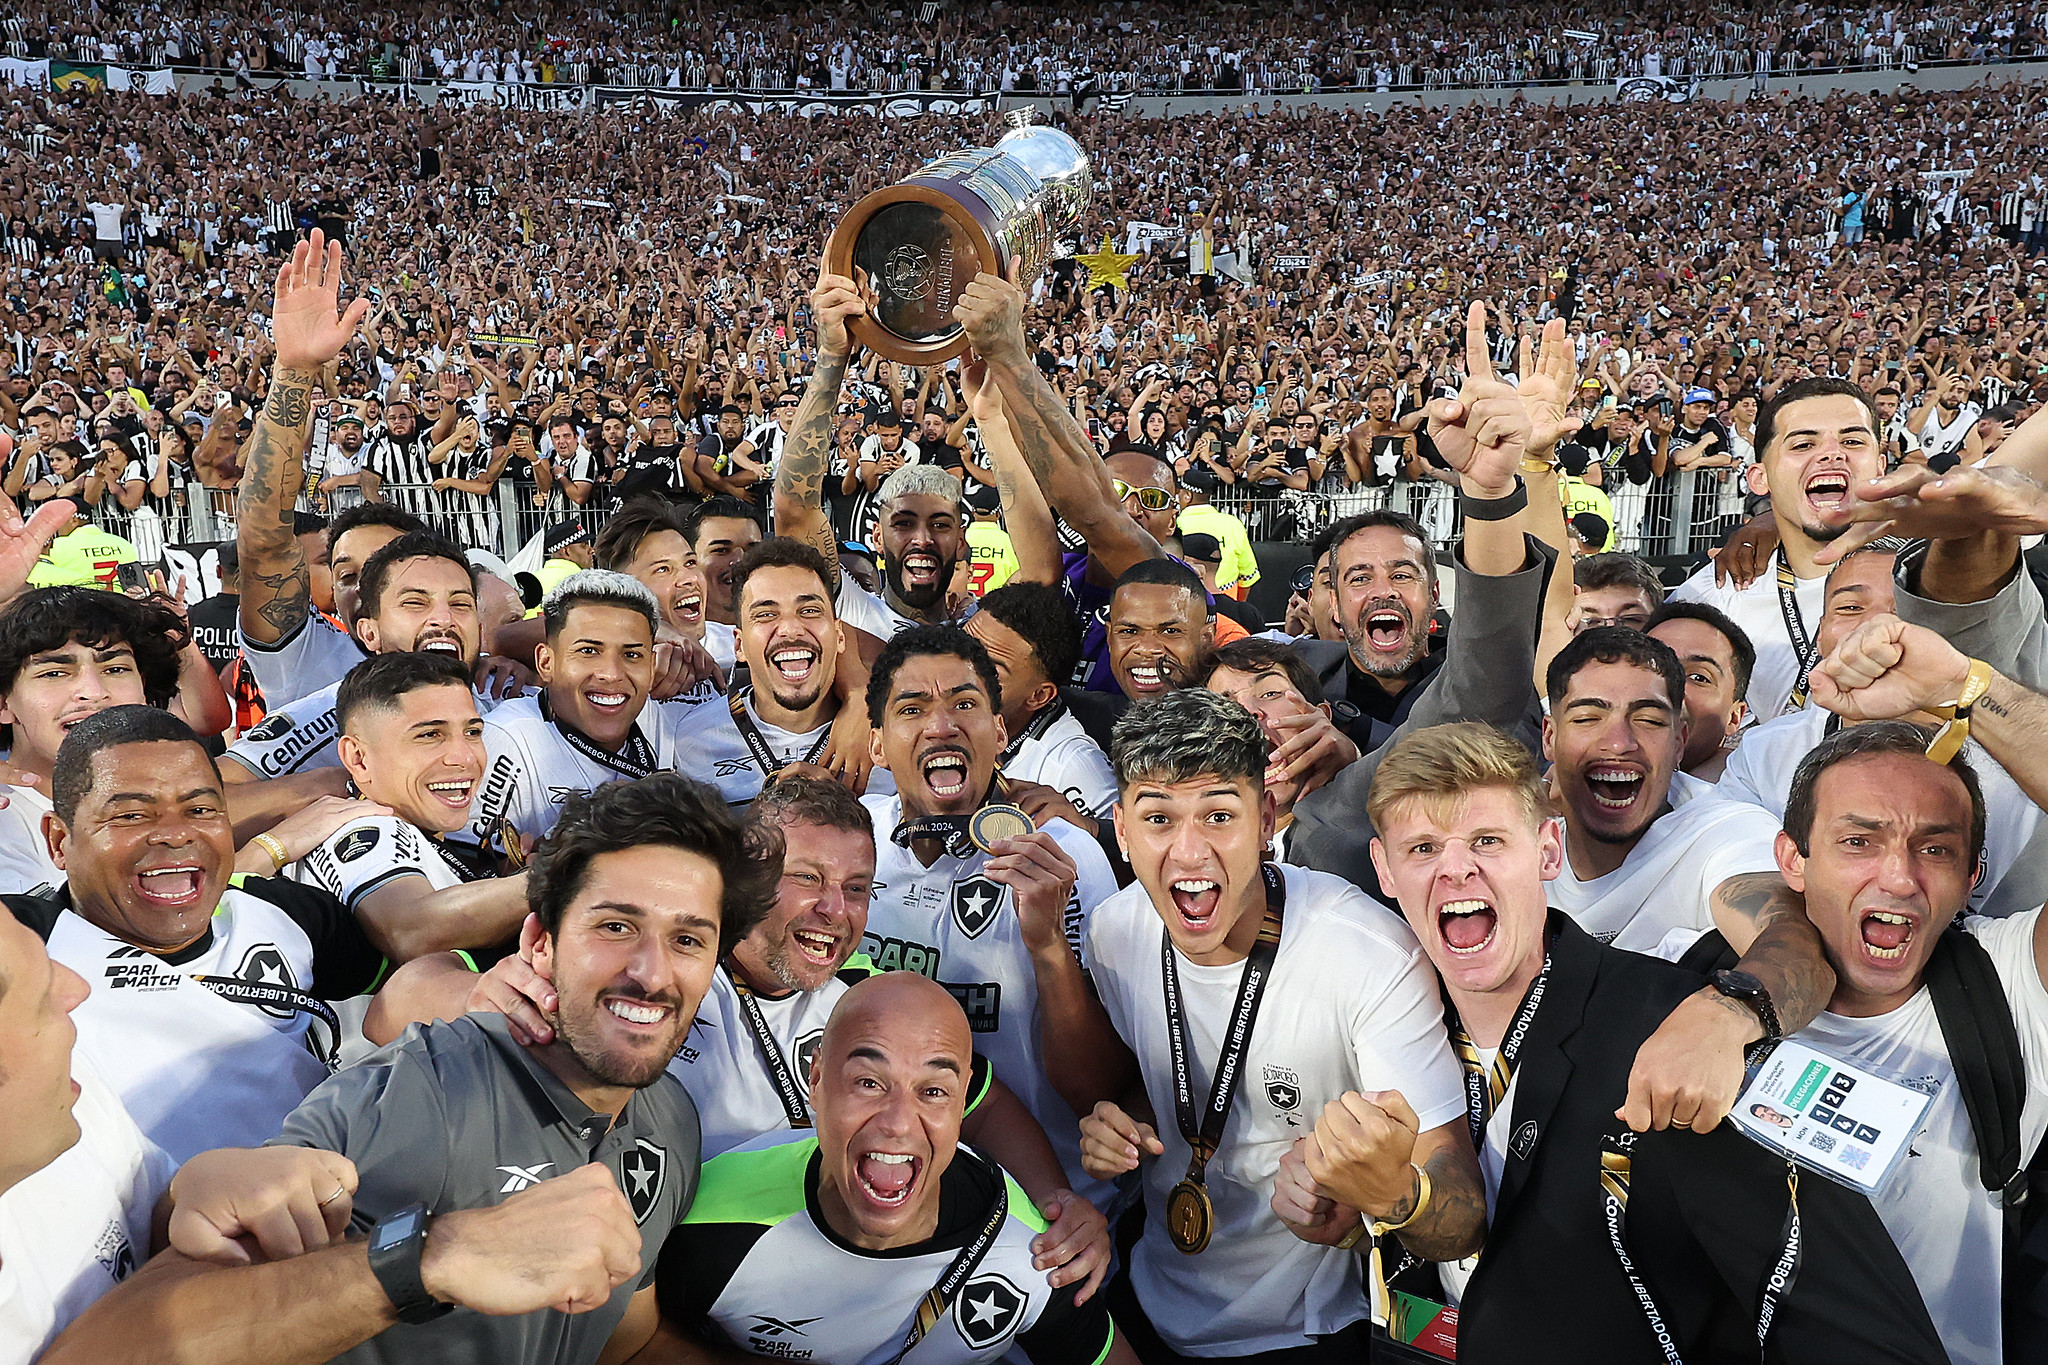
{"x": 69, "y": 76}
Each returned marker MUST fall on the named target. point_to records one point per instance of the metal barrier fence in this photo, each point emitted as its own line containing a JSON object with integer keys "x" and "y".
{"x": 1686, "y": 513}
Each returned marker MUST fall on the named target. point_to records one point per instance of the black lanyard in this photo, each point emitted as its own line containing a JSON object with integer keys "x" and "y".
{"x": 1039, "y": 724}
{"x": 794, "y": 1107}
{"x": 940, "y": 1296}
{"x": 1486, "y": 1087}
{"x": 1617, "y": 1152}
{"x": 274, "y": 997}
{"x": 635, "y": 758}
{"x": 951, "y": 828}
{"x": 1205, "y": 1135}
{"x": 1795, "y": 627}
{"x": 757, "y": 743}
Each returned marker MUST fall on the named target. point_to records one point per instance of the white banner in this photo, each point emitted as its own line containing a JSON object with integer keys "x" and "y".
{"x": 160, "y": 82}
{"x": 507, "y": 95}
{"x": 1293, "y": 262}
{"x": 15, "y": 71}
{"x": 1650, "y": 89}
{"x": 1140, "y": 236}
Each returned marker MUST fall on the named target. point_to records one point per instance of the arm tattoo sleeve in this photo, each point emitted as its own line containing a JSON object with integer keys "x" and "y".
{"x": 806, "y": 455}
{"x": 277, "y": 588}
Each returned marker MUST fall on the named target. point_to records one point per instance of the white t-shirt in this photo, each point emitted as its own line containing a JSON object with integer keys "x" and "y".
{"x": 25, "y": 863}
{"x": 1063, "y": 757}
{"x": 720, "y": 1063}
{"x": 862, "y": 610}
{"x": 1937, "y": 438}
{"x": 1351, "y": 1005}
{"x": 722, "y": 752}
{"x": 80, "y": 1225}
{"x": 317, "y": 655}
{"x": 1757, "y": 610}
{"x": 951, "y": 923}
{"x": 721, "y": 642}
{"x": 1938, "y": 1211}
{"x": 1761, "y": 768}
{"x": 1668, "y": 878}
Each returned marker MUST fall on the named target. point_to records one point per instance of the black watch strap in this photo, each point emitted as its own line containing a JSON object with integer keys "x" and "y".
{"x": 395, "y": 1248}
{"x": 1741, "y": 986}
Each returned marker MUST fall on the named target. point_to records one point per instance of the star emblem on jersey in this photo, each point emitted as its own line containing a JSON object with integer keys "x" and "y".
{"x": 264, "y": 965}
{"x": 518, "y": 1178}
{"x": 975, "y": 902}
{"x": 806, "y": 1053}
{"x": 1283, "y": 1088}
{"x": 641, "y": 1172}
{"x": 989, "y": 1310}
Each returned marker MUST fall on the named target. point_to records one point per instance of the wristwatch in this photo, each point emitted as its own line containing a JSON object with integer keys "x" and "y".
{"x": 1740, "y": 985}
{"x": 395, "y": 1247}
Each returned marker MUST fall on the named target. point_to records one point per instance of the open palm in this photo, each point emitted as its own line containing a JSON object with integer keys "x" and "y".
{"x": 306, "y": 321}
{"x": 22, "y": 543}
{"x": 1546, "y": 389}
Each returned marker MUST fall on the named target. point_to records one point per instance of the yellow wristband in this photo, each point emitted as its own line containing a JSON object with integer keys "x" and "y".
{"x": 276, "y": 850}
{"x": 1949, "y": 741}
{"x": 1381, "y": 1229}
{"x": 1355, "y": 1236}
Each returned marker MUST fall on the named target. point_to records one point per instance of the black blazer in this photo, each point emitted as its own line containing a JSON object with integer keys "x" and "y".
{"x": 1706, "y": 1211}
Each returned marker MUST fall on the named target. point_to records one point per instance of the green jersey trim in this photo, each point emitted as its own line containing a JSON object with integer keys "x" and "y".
{"x": 764, "y": 1186}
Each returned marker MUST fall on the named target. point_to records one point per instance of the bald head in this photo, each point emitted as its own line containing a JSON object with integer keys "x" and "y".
{"x": 888, "y": 1092}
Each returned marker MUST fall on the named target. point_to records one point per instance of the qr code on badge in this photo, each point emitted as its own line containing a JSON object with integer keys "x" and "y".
{"x": 1822, "y": 1142}
{"x": 1856, "y": 1158}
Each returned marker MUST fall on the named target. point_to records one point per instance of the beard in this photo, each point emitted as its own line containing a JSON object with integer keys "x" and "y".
{"x": 1391, "y": 666}
{"x": 925, "y": 597}
{"x": 1823, "y": 534}
{"x": 580, "y": 1034}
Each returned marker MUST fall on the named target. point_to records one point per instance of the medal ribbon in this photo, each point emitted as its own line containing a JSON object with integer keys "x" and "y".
{"x": 940, "y": 1296}
{"x": 1795, "y": 627}
{"x": 1040, "y": 723}
{"x": 1485, "y": 1086}
{"x": 1204, "y": 1137}
{"x": 794, "y": 1107}
{"x": 635, "y": 758}
{"x": 757, "y": 743}
{"x": 952, "y": 828}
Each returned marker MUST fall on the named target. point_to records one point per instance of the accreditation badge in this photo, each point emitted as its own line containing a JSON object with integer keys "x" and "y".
{"x": 1833, "y": 1117}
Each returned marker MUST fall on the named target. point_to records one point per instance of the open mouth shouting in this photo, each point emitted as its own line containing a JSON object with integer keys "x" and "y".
{"x": 440, "y": 642}
{"x": 1196, "y": 900}
{"x": 793, "y": 663}
{"x": 174, "y": 886}
{"x": 1466, "y": 926}
{"x": 945, "y": 772}
{"x": 1386, "y": 629}
{"x": 1614, "y": 786}
{"x": 1152, "y": 678}
{"x": 1886, "y": 935}
{"x": 887, "y": 1178}
{"x": 1827, "y": 491}
{"x": 818, "y": 947}
{"x": 687, "y": 608}
{"x": 921, "y": 569}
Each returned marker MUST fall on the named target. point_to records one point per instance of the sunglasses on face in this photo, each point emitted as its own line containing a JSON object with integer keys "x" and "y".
{"x": 1151, "y": 499}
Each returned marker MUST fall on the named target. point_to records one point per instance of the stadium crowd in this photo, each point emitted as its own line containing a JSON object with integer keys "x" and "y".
{"x": 1123, "y": 45}
{"x": 677, "y": 839}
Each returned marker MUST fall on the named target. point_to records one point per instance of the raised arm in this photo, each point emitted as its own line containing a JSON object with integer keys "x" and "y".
{"x": 308, "y": 331}
{"x": 807, "y": 453}
{"x": 1055, "y": 447}
{"x": 1025, "y": 515}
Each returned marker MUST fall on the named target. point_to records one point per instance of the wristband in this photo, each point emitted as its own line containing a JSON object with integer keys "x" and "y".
{"x": 1949, "y": 740}
{"x": 1422, "y": 1193}
{"x": 1495, "y": 509}
{"x": 278, "y": 855}
{"x": 1355, "y": 1236}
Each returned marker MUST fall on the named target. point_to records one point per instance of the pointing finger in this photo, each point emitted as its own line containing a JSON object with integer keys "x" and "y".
{"x": 1478, "y": 359}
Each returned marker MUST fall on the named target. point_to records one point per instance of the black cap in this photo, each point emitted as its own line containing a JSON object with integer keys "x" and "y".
{"x": 563, "y": 534}
{"x": 1199, "y": 545}
{"x": 1591, "y": 528}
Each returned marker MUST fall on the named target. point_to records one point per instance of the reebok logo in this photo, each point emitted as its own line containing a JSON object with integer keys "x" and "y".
{"x": 775, "y": 1327}
{"x": 518, "y": 1178}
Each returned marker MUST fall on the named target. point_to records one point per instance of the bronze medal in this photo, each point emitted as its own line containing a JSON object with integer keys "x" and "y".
{"x": 1190, "y": 1217}
{"x": 992, "y": 823}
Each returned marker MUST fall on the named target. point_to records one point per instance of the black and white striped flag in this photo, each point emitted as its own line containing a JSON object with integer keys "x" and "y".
{"x": 929, "y": 12}
{"x": 1113, "y": 102}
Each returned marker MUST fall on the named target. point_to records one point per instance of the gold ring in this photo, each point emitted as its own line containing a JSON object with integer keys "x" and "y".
{"x": 340, "y": 1189}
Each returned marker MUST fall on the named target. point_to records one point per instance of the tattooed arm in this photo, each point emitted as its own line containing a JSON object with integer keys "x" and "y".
{"x": 1055, "y": 447}
{"x": 1366, "y": 1155}
{"x": 1033, "y": 537}
{"x": 1688, "y": 1073}
{"x": 308, "y": 333}
{"x": 807, "y": 451}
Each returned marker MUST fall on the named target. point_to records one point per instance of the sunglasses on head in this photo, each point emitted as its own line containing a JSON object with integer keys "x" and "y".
{"x": 1151, "y": 499}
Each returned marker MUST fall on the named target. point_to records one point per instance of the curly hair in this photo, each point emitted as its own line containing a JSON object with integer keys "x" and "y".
{"x": 46, "y": 619}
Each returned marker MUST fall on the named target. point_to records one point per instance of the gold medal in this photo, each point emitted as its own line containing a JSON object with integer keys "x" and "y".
{"x": 1190, "y": 1217}
{"x": 992, "y": 823}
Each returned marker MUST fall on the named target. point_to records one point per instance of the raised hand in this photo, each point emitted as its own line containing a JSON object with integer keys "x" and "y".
{"x": 1484, "y": 432}
{"x": 22, "y": 542}
{"x": 1886, "y": 668}
{"x": 1917, "y": 502}
{"x": 835, "y": 299}
{"x": 991, "y": 309}
{"x": 307, "y": 324}
{"x": 1548, "y": 377}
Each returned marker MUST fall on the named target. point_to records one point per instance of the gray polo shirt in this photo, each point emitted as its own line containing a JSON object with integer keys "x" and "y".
{"x": 455, "y": 1116}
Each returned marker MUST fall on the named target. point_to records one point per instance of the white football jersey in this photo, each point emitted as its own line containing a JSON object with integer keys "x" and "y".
{"x": 1667, "y": 881}
{"x": 951, "y": 923}
{"x": 720, "y": 755}
{"x": 317, "y": 655}
{"x": 1351, "y": 1005}
{"x": 300, "y": 737}
{"x": 196, "y": 1068}
{"x": 1062, "y": 756}
{"x": 80, "y": 1225}
{"x": 26, "y": 867}
{"x": 534, "y": 768}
